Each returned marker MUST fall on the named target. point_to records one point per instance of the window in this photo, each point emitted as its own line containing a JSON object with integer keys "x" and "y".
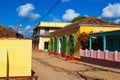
{"x": 46, "y": 30}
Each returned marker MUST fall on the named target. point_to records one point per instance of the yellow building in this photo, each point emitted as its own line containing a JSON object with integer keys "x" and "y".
{"x": 41, "y": 36}
{"x": 15, "y": 57}
{"x": 65, "y": 40}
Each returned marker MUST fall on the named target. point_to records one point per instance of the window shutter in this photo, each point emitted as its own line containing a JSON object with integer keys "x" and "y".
{"x": 64, "y": 44}
{"x": 72, "y": 44}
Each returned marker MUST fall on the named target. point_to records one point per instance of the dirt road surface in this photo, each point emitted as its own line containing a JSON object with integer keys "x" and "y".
{"x": 49, "y": 67}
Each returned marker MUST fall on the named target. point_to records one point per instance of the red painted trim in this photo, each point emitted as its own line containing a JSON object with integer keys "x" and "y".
{"x": 41, "y": 51}
{"x": 71, "y": 57}
{"x": 56, "y": 53}
{"x": 76, "y": 59}
{"x": 51, "y": 52}
{"x": 64, "y": 55}
{"x": 19, "y": 77}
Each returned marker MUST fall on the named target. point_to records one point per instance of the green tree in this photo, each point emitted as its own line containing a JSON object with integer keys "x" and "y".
{"x": 84, "y": 40}
{"x": 78, "y": 18}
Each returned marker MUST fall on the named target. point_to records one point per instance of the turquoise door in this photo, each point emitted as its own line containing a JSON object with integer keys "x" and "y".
{"x": 46, "y": 46}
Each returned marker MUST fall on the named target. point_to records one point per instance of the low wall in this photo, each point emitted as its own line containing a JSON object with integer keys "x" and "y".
{"x": 3, "y": 62}
{"x": 108, "y": 59}
{"x": 16, "y": 60}
{"x": 101, "y": 62}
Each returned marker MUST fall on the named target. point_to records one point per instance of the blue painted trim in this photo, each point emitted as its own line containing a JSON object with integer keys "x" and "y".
{"x": 106, "y": 33}
{"x": 90, "y": 43}
{"x": 104, "y": 43}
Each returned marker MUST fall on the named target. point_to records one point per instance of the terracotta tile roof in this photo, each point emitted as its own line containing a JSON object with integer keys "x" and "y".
{"x": 7, "y": 32}
{"x": 42, "y": 35}
{"x": 91, "y": 21}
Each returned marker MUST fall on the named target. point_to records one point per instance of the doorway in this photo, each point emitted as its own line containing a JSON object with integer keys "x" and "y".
{"x": 46, "y": 46}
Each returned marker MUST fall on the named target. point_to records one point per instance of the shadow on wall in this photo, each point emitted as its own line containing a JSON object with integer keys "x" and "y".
{"x": 7, "y": 64}
{"x": 32, "y": 73}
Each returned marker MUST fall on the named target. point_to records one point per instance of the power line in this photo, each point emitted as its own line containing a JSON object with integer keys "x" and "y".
{"x": 25, "y": 20}
{"x": 49, "y": 10}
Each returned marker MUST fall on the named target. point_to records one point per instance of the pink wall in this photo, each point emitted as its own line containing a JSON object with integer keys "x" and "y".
{"x": 112, "y": 56}
{"x": 108, "y": 59}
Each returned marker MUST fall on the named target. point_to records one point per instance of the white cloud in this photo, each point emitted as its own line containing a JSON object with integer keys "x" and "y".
{"x": 86, "y": 15}
{"x": 27, "y": 11}
{"x": 99, "y": 17}
{"x": 111, "y": 11}
{"x": 11, "y": 26}
{"x": 65, "y": 0}
{"x": 20, "y": 32}
{"x": 69, "y": 15}
{"x": 117, "y": 21}
{"x": 56, "y": 20}
{"x": 28, "y": 30}
{"x": 28, "y": 27}
{"x": 33, "y": 17}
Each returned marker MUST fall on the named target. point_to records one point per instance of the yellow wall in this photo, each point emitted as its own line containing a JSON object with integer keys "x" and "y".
{"x": 94, "y": 29}
{"x": 77, "y": 44}
{"x": 67, "y": 44}
{"x": 53, "y": 24}
{"x": 52, "y": 30}
{"x": 42, "y": 31}
{"x": 68, "y": 32}
{"x": 19, "y": 56}
{"x": 79, "y": 30}
{"x": 41, "y": 42}
{"x": 52, "y": 27}
{"x": 44, "y": 39}
{"x": 3, "y": 62}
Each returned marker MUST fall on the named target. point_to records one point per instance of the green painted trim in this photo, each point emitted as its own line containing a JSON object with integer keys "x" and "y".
{"x": 55, "y": 44}
{"x": 72, "y": 44}
{"x": 64, "y": 44}
{"x": 51, "y": 44}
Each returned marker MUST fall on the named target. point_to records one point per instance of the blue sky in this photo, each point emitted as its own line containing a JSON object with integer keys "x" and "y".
{"x": 27, "y": 13}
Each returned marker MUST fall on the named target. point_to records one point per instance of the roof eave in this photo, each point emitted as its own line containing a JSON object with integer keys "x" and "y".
{"x": 63, "y": 29}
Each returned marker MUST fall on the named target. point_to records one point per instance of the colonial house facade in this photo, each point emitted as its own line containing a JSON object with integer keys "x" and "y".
{"x": 41, "y": 36}
{"x": 65, "y": 41}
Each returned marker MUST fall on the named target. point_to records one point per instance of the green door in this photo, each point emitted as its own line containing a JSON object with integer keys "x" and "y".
{"x": 46, "y": 46}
